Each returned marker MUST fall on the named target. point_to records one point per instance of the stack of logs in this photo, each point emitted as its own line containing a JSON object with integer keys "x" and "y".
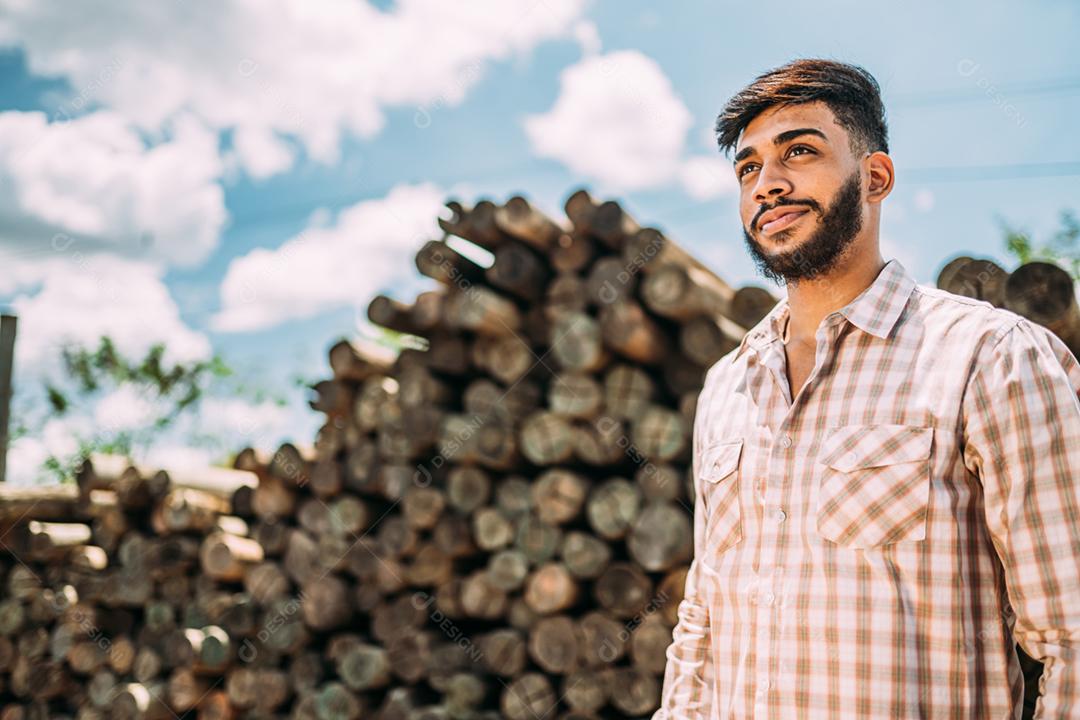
{"x": 525, "y": 473}
{"x": 496, "y": 525}
{"x": 105, "y": 610}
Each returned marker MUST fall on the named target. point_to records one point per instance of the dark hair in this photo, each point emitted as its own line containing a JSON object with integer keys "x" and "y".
{"x": 849, "y": 91}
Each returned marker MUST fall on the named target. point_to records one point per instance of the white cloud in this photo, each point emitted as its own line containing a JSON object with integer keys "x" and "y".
{"x": 83, "y": 298}
{"x": 588, "y": 37}
{"x": 77, "y": 300}
{"x": 177, "y": 456}
{"x": 309, "y": 70}
{"x": 58, "y": 437}
{"x": 325, "y": 267}
{"x": 237, "y": 417}
{"x": 261, "y": 152}
{"x": 125, "y": 408}
{"x": 617, "y": 120}
{"x": 126, "y": 300}
{"x": 704, "y": 177}
{"x": 93, "y": 185}
{"x": 924, "y": 200}
{"x": 23, "y": 267}
{"x": 222, "y": 425}
{"x": 904, "y": 252}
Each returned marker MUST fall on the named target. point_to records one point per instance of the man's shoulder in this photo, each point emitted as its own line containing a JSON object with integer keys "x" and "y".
{"x": 726, "y": 367}
{"x": 994, "y": 332}
{"x": 958, "y": 315}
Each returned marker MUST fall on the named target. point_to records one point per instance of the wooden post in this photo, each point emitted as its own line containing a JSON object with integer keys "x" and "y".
{"x": 7, "y": 362}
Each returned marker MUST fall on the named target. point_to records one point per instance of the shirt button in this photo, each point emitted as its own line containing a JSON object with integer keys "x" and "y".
{"x": 851, "y": 457}
{"x": 767, "y": 598}
{"x": 781, "y": 516}
{"x": 785, "y": 441}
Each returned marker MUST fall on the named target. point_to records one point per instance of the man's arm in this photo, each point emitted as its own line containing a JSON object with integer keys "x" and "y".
{"x": 1021, "y": 417}
{"x": 688, "y": 676}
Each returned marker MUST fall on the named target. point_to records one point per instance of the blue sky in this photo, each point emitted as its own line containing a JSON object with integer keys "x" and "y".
{"x": 242, "y": 184}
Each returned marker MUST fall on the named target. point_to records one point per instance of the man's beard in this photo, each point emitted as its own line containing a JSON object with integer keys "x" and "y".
{"x": 819, "y": 253}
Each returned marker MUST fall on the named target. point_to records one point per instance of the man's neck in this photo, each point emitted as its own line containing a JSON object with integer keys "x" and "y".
{"x": 810, "y": 301}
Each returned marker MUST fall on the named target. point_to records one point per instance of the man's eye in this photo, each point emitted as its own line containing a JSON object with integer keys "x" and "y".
{"x": 750, "y": 166}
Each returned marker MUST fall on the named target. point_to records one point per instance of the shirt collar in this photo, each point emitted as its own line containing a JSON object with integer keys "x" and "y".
{"x": 875, "y": 310}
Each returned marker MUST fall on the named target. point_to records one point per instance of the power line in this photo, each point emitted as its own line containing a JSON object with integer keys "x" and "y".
{"x": 981, "y": 92}
{"x": 991, "y": 172}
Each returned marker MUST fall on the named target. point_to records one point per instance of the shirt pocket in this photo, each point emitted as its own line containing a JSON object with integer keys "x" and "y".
{"x": 720, "y": 494}
{"x": 875, "y": 484}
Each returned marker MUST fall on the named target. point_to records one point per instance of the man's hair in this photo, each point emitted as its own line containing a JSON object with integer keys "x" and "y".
{"x": 849, "y": 91}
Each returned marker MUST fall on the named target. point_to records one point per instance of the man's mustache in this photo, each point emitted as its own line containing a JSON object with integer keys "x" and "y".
{"x": 812, "y": 204}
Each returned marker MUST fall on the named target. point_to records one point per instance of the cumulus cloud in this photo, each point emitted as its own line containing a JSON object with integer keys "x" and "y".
{"x": 327, "y": 266}
{"x": 704, "y": 177}
{"x": 94, "y": 184}
{"x": 75, "y": 299}
{"x": 221, "y": 426}
{"x": 236, "y": 417}
{"x": 77, "y": 302}
{"x": 905, "y": 252}
{"x": 58, "y": 437}
{"x": 588, "y": 37}
{"x": 126, "y": 408}
{"x": 617, "y": 120}
{"x": 261, "y": 152}
{"x": 924, "y": 200}
{"x": 309, "y": 70}
{"x": 82, "y": 298}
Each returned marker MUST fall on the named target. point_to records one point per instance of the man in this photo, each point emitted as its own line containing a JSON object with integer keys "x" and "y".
{"x": 887, "y": 475}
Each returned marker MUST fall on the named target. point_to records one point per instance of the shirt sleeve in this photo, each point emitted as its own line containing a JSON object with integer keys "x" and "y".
{"x": 1021, "y": 417}
{"x": 688, "y": 675}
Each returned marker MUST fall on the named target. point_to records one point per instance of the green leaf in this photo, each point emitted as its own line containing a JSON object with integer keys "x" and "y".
{"x": 57, "y": 401}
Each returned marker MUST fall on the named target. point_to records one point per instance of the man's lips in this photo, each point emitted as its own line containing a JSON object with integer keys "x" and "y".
{"x": 779, "y": 220}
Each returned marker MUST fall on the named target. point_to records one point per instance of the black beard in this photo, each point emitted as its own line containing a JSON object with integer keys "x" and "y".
{"x": 819, "y": 253}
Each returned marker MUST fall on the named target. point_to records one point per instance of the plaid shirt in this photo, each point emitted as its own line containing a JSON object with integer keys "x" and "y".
{"x": 876, "y": 548}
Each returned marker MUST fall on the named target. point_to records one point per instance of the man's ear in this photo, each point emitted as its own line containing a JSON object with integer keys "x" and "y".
{"x": 879, "y": 170}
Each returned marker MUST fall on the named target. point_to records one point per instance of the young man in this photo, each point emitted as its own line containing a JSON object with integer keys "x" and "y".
{"x": 887, "y": 475}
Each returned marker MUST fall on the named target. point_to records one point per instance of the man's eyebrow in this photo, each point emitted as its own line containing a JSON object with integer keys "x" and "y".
{"x": 780, "y": 140}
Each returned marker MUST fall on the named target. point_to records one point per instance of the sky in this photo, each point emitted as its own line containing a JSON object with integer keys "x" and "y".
{"x": 239, "y": 179}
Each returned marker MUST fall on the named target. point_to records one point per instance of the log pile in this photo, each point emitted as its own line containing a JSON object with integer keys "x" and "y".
{"x": 105, "y": 612}
{"x": 496, "y": 525}
{"x": 527, "y": 530}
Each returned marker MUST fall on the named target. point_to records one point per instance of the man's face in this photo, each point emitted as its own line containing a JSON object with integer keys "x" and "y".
{"x": 800, "y": 191}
